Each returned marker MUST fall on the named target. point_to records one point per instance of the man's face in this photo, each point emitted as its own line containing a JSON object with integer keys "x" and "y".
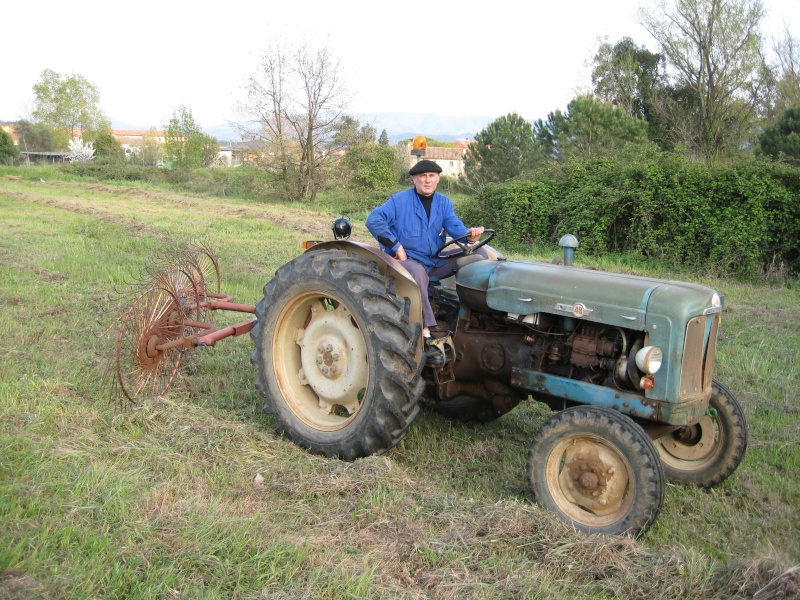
{"x": 426, "y": 183}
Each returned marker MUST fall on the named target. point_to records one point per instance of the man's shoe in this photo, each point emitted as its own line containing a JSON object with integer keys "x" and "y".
{"x": 434, "y": 356}
{"x": 440, "y": 330}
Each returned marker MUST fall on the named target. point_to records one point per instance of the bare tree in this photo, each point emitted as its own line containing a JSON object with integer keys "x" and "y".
{"x": 787, "y": 51}
{"x": 294, "y": 102}
{"x": 715, "y": 49}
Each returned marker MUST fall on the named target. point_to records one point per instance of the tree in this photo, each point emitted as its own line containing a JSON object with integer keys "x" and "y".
{"x": 9, "y": 153}
{"x": 69, "y": 104}
{"x": 36, "y": 137}
{"x": 502, "y": 151}
{"x": 384, "y": 139}
{"x": 107, "y": 147}
{"x": 80, "y": 151}
{"x": 348, "y": 132}
{"x": 187, "y": 147}
{"x": 589, "y": 128}
{"x": 370, "y": 166}
{"x": 715, "y": 48}
{"x": 787, "y": 82}
{"x": 296, "y": 100}
{"x": 628, "y": 76}
{"x": 149, "y": 152}
{"x": 783, "y": 140}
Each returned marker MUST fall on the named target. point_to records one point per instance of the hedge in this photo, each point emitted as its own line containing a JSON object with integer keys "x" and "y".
{"x": 741, "y": 219}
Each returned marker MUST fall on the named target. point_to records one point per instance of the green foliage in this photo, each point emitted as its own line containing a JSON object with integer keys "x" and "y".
{"x": 107, "y": 147}
{"x": 9, "y": 153}
{"x": 348, "y": 131}
{"x": 589, "y": 128}
{"x": 520, "y": 210}
{"x": 384, "y": 139}
{"x": 149, "y": 153}
{"x": 741, "y": 219}
{"x": 370, "y": 166}
{"x": 631, "y": 77}
{"x": 34, "y": 137}
{"x": 714, "y": 49}
{"x": 187, "y": 147}
{"x": 783, "y": 140}
{"x": 502, "y": 151}
{"x": 69, "y": 104}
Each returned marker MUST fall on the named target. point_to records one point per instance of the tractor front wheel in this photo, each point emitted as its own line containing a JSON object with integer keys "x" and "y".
{"x": 706, "y": 453}
{"x": 596, "y": 468}
{"x": 338, "y": 359}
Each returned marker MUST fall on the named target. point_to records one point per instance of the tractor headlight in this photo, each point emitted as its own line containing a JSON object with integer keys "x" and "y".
{"x": 648, "y": 359}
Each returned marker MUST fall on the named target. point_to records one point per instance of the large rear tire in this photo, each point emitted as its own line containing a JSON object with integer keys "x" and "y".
{"x": 597, "y": 469}
{"x": 338, "y": 359}
{"x": 708, "y": 452}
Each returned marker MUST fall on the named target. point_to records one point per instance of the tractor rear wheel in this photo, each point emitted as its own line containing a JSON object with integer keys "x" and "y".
{"x": 338, "y": 359}
{"x": 706, "y": 453}
{"x": 596, "y": 468}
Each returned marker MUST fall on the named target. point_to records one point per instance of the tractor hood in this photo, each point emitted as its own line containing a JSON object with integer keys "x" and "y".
{"x": 523, "y": 287}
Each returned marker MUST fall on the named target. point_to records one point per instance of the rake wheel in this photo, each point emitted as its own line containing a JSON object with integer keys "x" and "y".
{"x": 204, "y": 259}
{"x": 185, "y": 281}
{"x": 154, "y": 318}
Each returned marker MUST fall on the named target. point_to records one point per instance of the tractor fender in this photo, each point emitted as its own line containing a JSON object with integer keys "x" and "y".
{"x": 387, "y": 266}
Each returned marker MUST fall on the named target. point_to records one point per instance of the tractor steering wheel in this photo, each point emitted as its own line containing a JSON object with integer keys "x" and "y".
{"x": 465, "y": 248}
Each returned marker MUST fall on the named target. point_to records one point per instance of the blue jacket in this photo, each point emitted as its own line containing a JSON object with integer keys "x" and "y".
{"x": 402, "y": 220}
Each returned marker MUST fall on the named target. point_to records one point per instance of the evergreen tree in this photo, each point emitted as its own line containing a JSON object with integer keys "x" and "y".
{"x": 783, "y": 140}
{"x": 502, "y": 151}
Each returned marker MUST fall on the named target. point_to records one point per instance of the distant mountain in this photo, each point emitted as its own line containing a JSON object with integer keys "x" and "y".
{"x": 445, "y": 128}
{"x": 398, "y": 126}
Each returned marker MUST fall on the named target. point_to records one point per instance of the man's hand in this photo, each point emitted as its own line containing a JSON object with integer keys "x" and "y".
{"x": 401, "y": 253}
{"x": 474, "y": 234}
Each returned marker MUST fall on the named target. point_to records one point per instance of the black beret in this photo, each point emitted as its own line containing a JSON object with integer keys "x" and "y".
{"x": 425, "y": 166}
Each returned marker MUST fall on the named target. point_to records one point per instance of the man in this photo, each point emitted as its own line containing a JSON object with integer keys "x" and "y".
{"x": 412, "y": 226}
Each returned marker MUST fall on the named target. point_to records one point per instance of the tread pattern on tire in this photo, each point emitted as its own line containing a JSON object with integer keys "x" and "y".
{"x": 396, "y": 386}
{"x": 734, "y": 443}
{"x": 628, "y": 437}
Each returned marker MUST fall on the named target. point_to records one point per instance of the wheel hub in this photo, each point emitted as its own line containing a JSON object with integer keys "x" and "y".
{"x": 331, "y": 359}
{"x": 692, "y": 443}
{"x": 594, "y": 477}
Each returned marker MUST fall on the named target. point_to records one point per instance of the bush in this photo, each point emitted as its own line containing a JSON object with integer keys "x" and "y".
{"x": 114, "y": 170}
{"x": 9, "y": 153}
{"x": 739, "y": 219}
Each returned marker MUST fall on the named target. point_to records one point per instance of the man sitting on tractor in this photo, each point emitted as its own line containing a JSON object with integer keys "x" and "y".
{"x": 412, "y": 226}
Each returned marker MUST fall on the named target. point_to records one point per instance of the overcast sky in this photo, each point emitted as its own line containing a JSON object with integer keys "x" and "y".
{"x": 468, "y": 58}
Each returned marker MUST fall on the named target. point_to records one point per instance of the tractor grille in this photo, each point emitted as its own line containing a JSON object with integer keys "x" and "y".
{"x": 699, "y": 352}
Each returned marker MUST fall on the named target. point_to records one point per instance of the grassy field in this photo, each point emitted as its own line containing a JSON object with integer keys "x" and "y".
{"x": 99, "y": 499}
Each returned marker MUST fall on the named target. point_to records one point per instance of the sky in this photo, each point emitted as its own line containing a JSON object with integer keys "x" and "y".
{"x": 462, "y": 58}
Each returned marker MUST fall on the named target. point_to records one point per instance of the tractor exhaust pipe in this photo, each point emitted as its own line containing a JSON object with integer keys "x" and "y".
{"x": 569, "y": 242}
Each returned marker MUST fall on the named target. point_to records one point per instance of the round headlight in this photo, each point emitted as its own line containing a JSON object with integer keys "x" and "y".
{"x": 648, "y": 359}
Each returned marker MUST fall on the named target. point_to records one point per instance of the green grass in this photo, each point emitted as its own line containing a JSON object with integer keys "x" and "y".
{"x": 159, "y": 500}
